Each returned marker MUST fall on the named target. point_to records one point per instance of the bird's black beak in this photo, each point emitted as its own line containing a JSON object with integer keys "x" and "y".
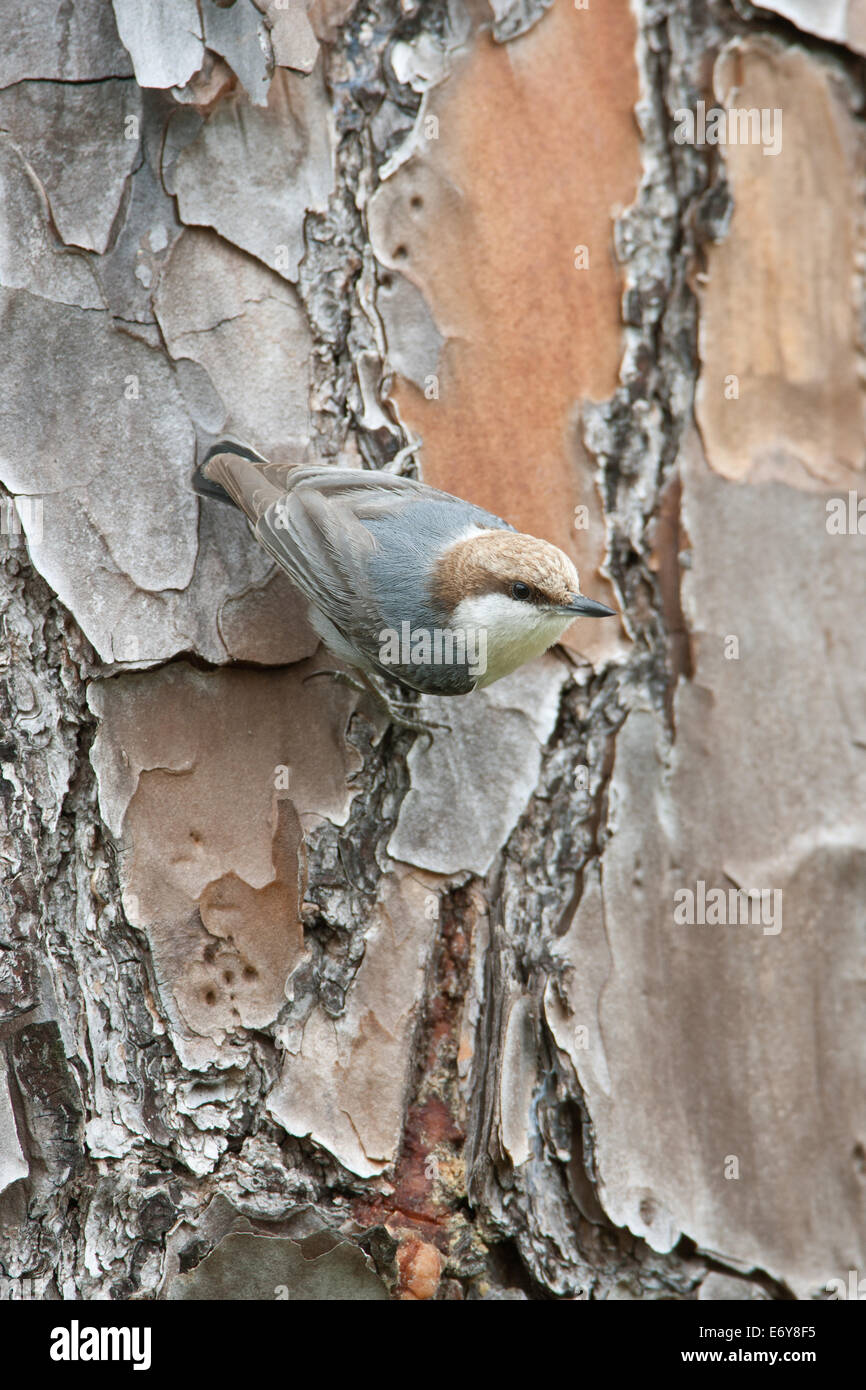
{"x": 587, "y": 608}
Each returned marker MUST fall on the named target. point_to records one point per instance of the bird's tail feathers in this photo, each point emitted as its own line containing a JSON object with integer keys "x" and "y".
{"x": 206, "y": 486}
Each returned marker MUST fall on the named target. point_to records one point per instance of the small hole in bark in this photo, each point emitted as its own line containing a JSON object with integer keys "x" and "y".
{"x": 416, "y": 202}
{"x": 250, "y": 973}
{"x": 210, "y": 996}
{"x": 401, "y": 253}
{"x": 228, "y": 976}
{"x": 386, "y": 282}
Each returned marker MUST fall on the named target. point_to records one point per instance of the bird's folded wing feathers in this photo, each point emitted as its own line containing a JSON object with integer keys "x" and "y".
{"x": 315, "y": 530}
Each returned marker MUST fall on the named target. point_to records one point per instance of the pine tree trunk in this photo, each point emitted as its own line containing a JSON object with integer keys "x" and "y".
{"x": 566, "y": 1003}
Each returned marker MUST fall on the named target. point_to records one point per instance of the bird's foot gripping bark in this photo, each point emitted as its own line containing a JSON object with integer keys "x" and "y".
{"x": 399, "y": 711}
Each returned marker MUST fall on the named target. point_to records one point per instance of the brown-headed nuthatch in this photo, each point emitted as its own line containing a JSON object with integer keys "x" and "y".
{"x": 403, "y": 581}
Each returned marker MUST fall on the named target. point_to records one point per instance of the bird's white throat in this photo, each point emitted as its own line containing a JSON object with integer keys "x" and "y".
{"x": 516, "y": 632}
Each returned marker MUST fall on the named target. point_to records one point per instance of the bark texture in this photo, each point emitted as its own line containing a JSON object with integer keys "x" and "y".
{"x": 292, "y": 1004}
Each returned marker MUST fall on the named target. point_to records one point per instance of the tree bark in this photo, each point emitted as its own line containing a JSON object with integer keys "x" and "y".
{"x": 505, "y": 1016}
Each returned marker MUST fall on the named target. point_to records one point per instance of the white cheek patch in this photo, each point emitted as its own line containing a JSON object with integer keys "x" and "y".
{"x": 516, "y": 632}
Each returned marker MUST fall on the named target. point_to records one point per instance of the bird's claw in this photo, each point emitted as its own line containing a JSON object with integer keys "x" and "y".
{"x": 420, "y": 726}
{"x": 341, "y": 677}
{"x": 394, "y": 708}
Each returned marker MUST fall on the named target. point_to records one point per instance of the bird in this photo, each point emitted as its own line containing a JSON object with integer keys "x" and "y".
{"x": 403, "y": 581}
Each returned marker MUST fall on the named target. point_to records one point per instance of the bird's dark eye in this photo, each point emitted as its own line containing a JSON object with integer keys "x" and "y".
{"x": 520, "y": 590}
